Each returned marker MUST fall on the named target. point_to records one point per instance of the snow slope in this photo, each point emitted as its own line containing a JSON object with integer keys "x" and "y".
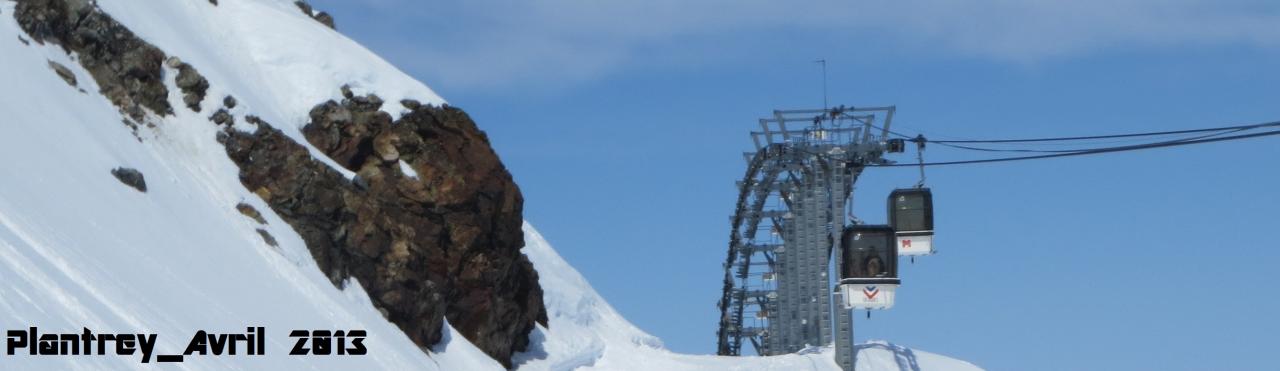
{"x": 585, "y": 332}
{"x": 78, "y": 249}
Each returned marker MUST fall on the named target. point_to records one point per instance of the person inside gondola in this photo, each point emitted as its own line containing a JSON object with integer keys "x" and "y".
{"x": 874, "y": 266}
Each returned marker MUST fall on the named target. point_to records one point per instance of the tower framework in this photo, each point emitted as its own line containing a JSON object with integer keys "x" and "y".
{"x": 789, "y": 214}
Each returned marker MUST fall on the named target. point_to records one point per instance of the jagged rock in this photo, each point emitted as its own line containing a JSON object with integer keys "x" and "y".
{"x": 214, "y": 2}
{"x": 252, "y": 119}
{"x": 333, "y": 218}
{"x": 126, "y": 68}
{"x": 188, "y": 78}
{"x": 24, "y": 41}
{"x": 306, "y": 8}
{"x": 222, "y": 117}
{"x": 369, "y": 102}
{"x": 325, "y": 19}
{"x": 444, "y": 245}
{"x": 130, "y": 177}
{"x": 384, "y": 145}
{"x": 322, "y": 17}
{"x": 251, "y": 212}
{"x": 193, "y": 85}
{"x": 229, "y": 102}
{"x": 410, "y": 104}
{"x": 192, "y": 101}
{"x": 267, "y": 237}
{"x": 63, "y": 72}
{"x": 338, "y": 114}
{"x": 343, "y": 143}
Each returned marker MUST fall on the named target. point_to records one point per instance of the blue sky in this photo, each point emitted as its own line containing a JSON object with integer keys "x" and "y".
{"x": 624, "y": 125}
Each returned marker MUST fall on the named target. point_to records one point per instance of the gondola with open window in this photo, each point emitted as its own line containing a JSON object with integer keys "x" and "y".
{"x": 868, "y": 267}
{"x": 911, "y": 215}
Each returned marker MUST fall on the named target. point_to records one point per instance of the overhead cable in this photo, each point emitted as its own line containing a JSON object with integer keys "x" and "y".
{"x": 1095, "y": 151}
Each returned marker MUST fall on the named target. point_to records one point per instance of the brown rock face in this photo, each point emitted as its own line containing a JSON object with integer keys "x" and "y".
{"x": 125, "y": 67}
{"x": 444, "y": 245}
{"x": 192, "y": 84}
{"x": 322, "y": 17}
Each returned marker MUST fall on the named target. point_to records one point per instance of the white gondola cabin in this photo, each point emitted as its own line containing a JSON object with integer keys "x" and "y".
{"x": 911, "y": 215}
{"x": 868, "y": 267}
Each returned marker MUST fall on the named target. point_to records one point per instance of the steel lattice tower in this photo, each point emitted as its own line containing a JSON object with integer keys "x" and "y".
{"x": 777, "y": 286}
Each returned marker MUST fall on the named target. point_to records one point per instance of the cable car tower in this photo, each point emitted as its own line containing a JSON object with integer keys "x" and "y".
{"x": 788, "y": 225}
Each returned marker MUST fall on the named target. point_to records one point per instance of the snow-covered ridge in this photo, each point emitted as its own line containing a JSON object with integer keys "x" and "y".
{"x": 80, "y": 250}
{"x": 278, "y": 62}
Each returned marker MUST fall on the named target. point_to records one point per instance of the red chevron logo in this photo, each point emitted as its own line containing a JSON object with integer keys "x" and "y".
{"x": 870, "y": 292}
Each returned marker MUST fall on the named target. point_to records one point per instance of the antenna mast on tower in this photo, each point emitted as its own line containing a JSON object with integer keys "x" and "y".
{"x": 823, "y": 62}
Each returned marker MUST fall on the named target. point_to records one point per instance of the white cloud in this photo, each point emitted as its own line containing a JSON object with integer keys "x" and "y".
{"x": 494, "y": 44}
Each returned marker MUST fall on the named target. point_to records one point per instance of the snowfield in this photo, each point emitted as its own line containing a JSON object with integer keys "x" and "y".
{"x": 79, "y": 249}
{"x": 586, "y": 333}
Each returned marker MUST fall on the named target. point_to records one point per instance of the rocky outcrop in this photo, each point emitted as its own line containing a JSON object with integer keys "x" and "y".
{"x": 222, "y": 117}
{"x": 490, "y": 286}
{"x": 131, "y": 177}
{"x": 63, "y": 72}
{"x": 127, "y": 69}
{"x": 443, "y": 245}
{"x": 251, "y": 212}
{"x": 192, "y": 84}
{"x": 325, "y": 19}
{"x": 267, "y": 238}
{"x": 322, "y": 17}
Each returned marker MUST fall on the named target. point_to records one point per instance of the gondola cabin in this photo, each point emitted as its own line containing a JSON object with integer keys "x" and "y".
{"x": 911, "y": 215}
{"x": 868, "y": 267}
